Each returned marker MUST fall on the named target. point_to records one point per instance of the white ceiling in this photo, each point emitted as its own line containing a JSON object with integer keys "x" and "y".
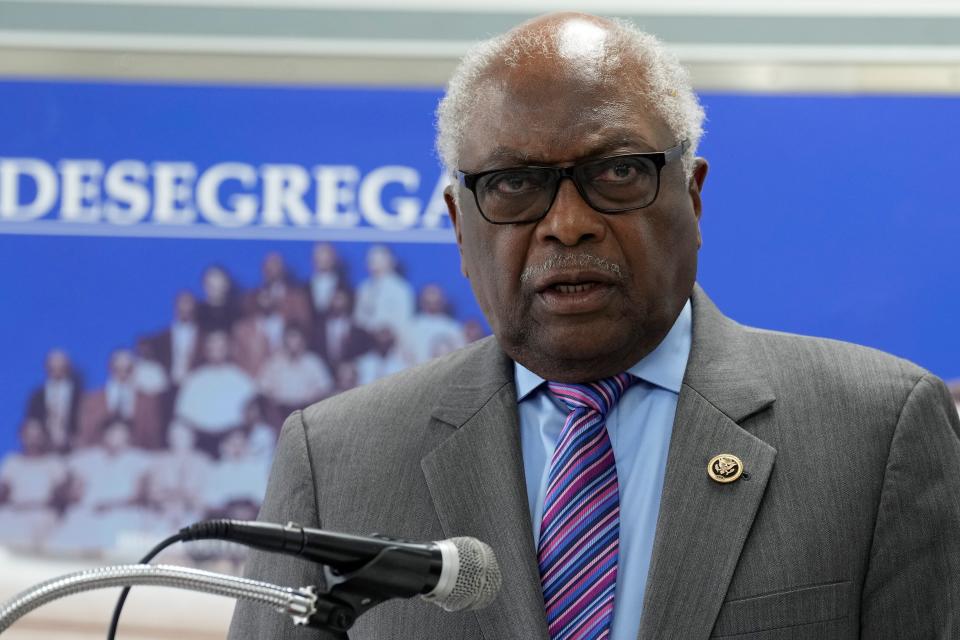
{"x": 741, "y": 45}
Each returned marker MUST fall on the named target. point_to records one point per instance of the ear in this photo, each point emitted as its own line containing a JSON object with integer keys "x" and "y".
{"x": 454, "y": 213}
{"x": 695, "y": 188}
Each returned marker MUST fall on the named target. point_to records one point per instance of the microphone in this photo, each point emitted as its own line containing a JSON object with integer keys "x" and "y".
{"x": 455, "y": 574}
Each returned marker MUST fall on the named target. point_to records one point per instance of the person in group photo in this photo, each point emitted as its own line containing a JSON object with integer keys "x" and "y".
{"x": 31, "y": 489}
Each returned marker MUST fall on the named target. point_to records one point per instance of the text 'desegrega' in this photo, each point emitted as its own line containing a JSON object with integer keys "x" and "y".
{"x": 180, "y": 198}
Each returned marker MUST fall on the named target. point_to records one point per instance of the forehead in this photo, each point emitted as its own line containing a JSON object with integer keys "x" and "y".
{"x": 552, "y": 113}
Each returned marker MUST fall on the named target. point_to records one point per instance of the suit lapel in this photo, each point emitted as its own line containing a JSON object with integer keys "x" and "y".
{"x": 476, "y": 479}
{"x": 703, "y": 524}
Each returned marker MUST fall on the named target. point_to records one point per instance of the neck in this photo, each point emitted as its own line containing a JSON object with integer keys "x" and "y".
{"x": 579, "y": 369}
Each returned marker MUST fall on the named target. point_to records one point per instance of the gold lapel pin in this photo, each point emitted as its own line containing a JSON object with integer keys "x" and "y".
{"x": 725, "y": 468}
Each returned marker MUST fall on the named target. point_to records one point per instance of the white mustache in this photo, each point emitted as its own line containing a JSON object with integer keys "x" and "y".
{"x": 577, "y": 260}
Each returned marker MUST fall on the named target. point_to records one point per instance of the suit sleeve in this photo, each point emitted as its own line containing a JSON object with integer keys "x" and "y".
{"x": 912, "y": 586}
{"x": 291, "y": 496}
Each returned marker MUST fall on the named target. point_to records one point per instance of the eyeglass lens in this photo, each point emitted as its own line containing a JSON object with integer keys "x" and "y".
{"x": 609, "y": 184}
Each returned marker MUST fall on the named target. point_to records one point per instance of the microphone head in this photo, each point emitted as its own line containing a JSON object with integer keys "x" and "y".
{"x": 470, "y": 576}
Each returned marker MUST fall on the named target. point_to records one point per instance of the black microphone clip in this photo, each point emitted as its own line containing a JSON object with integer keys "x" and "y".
{"x": 354, "y": 584}
{"x": 388, "y": 575}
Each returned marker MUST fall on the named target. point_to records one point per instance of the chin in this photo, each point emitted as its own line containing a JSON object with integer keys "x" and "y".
{"x": 589, "y": 353}
{"x": 579, "y": 358}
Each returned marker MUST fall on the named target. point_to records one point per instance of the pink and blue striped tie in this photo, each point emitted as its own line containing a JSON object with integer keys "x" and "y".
{"x": 580, "y": 529}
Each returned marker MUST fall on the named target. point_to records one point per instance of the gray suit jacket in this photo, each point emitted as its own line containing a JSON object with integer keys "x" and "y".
{"x": 846, "y": 523}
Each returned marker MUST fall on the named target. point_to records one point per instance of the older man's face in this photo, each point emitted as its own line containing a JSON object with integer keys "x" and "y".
{"x": 582, "y": 318}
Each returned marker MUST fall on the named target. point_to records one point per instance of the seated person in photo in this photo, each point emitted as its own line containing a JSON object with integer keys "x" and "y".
{"x": 259, "y": 334}
{"x": 56, "y": 402}
{"x": 120, "y": 398}
{"x": 294, "y": 377}
{"x": 29, "y": 483}
{"x": 238, "y": 478}
{"x": 385, "y": 299}
{"x": 432, "y": 332}
{"x": 149, "y": 375}
{"x": 106, "y": 492}
{"x": 262, "y": 434}
{"x": 175, "y": 480}
{"x": 346, "y": 375}
{"x": 337, "y": 337}
{"x": 288, "y": 295}
{"x": 178, "y": 347}
{"x": 329, "y": 275}
{"x": 212, "y": 397}
{"x": 382, "y": 360}
{"x": 220, "y": 307}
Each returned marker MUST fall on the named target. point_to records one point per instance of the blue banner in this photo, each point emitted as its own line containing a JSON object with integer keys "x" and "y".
{"x": 193, "y": 262}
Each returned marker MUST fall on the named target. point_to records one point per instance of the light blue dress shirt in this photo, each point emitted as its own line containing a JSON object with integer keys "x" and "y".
{"x": 639, "y": 427}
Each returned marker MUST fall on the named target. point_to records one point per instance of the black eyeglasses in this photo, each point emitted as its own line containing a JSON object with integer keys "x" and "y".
{"x": 609, "y": 185}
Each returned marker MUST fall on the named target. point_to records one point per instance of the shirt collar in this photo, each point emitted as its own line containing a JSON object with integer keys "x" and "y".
{"x": 663, "y": 367}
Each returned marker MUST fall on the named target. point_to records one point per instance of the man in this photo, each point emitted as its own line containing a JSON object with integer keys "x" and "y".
{"x": 121, "y": 399}
{"x": 258, "y": 335}
{"x": 382, "y": 359}
{"x": 106, "y": 493}
{"x": 221, "y": 306}
{"x": 765, "y": 486}
{"x": 288, "y": 295}
{"x": 337, "y": 337}
{"x": 237, "y": 477}
{"x": 56, "y": 402}
{"x": 174, "y": 481}
{"x": 149, "y": 374}
{"x": 178, "y": 347}
{"x": 294, "y": 376}
{"x": 213, "y": 396}
{"x": 29, "y": 484}
{"x": 432, "y": 332}
{"x": 385, "y": 299}
{"x": 329, "y": 276}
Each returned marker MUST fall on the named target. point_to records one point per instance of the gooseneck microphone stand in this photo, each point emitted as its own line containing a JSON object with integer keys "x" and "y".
{"x": 348, "y": 596}
{"x": 302, "y": 605}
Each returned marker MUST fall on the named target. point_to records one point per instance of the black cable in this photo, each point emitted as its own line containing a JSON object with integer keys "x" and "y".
{"x": 196, "y": 531}
{"x": 112, "y": 632}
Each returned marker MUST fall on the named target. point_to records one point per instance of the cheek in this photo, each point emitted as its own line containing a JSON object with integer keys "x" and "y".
{"x": 681, "y": 254}
{"x": 473, "y": 245}
{"x": 494, "y": 258}
{"x": 661, "y": 250}
{"x": 475, "y": 251}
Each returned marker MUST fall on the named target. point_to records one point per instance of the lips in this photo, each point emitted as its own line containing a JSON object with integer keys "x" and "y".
{"x": 573, "y": 288}
{"x": 575, "y": 292}
{"x": 573, "y": 281}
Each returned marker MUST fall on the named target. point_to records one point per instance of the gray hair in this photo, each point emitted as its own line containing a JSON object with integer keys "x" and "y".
{"x": 666, "y": 84}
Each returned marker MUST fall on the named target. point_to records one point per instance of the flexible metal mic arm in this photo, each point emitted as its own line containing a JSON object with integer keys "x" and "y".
{"x": 346, "y": 598}
{"x": 301, "y": 604}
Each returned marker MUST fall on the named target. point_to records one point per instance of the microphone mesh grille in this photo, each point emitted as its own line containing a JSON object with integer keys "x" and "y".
{"x": 478, "y": 580}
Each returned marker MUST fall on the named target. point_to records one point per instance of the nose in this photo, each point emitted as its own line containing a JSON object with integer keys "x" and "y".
{"x": 570, "y": 220}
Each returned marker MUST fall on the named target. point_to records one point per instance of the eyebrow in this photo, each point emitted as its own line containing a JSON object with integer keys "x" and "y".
{"x": 505, "y": 157}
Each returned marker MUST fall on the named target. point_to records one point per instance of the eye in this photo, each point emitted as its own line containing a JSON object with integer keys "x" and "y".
{"x": 513, "y": 182}
{"x": 621, "y": 170}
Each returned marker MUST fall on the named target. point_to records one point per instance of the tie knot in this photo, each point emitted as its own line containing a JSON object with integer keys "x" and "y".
{"x": 599, "y": 396}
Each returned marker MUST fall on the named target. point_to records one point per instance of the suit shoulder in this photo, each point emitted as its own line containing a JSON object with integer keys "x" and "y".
{"x": 406, "y": 397}
{"x": 842, "y": 368}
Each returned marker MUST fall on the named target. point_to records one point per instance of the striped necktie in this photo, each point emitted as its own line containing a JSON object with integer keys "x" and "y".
{"x": 580, "y": 530}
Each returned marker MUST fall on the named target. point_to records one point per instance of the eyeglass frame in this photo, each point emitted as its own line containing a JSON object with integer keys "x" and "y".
{"x": 659, "y": 159}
